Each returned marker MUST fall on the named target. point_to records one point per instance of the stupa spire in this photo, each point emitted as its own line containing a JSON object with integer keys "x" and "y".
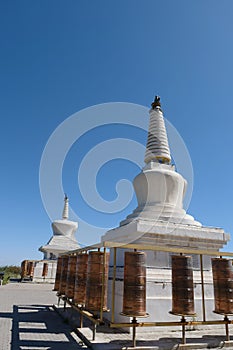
{"x": 65, "y": 213}
{"x": 157, "y": 148}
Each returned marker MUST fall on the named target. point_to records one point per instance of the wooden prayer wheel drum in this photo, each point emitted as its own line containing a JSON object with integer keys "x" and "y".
{"x": 62, "y": 286}
{"x": 45, "y": 270}
{"x": 24, "y": 268}
{"x": 182, "y": 286}
{"x": 223, "y": 285}
{"x": 134, "y": 298}
{"x": 31, "y": 268}
{"x": 81, "y": 280}
{"x": 70, "y": 282}
{"x": 95, "y": 273}
{"x": 58, "y": 274}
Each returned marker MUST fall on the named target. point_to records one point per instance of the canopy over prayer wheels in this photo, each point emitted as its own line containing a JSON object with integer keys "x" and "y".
{"x": 62, "y": 286}
{"x": 58, "y": 274}
{"x": 182, "y": 286}
{"x": 223, "y": 285}
{"x": 80, "y": 280}
{"x": 45, "y": 270}
{"x": 134, "y": 298}
{"x": 70, "y": 282}
{"x": 97, "y": 271}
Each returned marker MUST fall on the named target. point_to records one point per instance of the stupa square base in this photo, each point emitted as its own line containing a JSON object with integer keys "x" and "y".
{"x": 151, "y": 232}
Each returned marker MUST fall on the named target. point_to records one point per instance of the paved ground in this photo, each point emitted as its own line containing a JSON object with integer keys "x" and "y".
{"x": 161, "y": 338}
{"x": 27, "y": 320}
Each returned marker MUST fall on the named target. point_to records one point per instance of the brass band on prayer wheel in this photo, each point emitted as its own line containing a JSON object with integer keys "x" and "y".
{"x": 95, "y": 275}
{"x": 58, "y": 274}
{"x": 223, "y": 285}
{"x": 45, "y": 269}
{"x": 80, "y": 279}
{"x": 182, "y": 286}
{"x": 62, "y": 285}
{"x": 70, "y": 281}
{"x": 24, "y": 268}
{"x": 134, "y": 298}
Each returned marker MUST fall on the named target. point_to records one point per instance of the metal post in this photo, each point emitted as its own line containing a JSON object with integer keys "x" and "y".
{"x": 103, "y": 287}
{"x": 134, "y": 321}
{"x": 202, "y": 288}
{"x": 81, "y": 320}
{"x": 94, "y": 331}
{"x": 113, "y": 285}
{"x": 227, "y": 328}
{"x": 183, "y": 330}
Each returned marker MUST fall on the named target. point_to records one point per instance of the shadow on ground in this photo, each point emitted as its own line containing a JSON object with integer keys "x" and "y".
{"x": 114, "y": 339}
{"x": 39, "y": 327}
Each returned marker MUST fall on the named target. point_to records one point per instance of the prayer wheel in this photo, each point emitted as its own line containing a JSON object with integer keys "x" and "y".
{"x": 80, "y": 280}
{"x": 182, "y": 286}
{"x": 31, "y": 269}
{"x": 58, "y": 274}
{"x": 45, "y": 270}
{"x": 223, "y": 285}
{"x": 62, "y": 286}
{"x": 70, "y": 281}
{"x": 24, "y": 268}
{"x": 95, "y": 275}
{"x": 134, "y": 298}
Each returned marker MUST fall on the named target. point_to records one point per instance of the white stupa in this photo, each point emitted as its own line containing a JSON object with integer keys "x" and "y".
{"x": 161, "y": 220}
{"x": 63, "y": 238}
{"x": 160, "y": 217}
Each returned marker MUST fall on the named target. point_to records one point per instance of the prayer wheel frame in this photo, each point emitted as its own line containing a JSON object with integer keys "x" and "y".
{"x": 99, "y": 320}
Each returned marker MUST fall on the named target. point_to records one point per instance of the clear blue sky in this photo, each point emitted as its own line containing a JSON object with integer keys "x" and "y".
{"x": 58, "y": 57}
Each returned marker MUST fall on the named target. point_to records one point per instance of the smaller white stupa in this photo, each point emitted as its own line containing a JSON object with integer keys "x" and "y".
{"x": 63, "y": 238}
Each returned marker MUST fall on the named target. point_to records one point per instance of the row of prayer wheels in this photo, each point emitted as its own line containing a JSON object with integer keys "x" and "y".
{"x": 28, "y": 267}
{"x": 80, "y": 278}
{"x": 183, "y": 290}
{"x": 134, "y": 300}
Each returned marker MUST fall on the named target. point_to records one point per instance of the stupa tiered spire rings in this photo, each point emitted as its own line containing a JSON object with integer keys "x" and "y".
{"x": 157, "y": 148}
{"x": 65, "y": 214}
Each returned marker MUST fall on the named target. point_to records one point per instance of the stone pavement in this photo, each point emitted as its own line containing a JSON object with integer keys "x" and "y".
{"x": 28, "y": 322}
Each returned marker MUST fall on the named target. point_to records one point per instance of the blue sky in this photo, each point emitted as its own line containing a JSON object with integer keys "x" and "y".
{"x": 58, "y": 57}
